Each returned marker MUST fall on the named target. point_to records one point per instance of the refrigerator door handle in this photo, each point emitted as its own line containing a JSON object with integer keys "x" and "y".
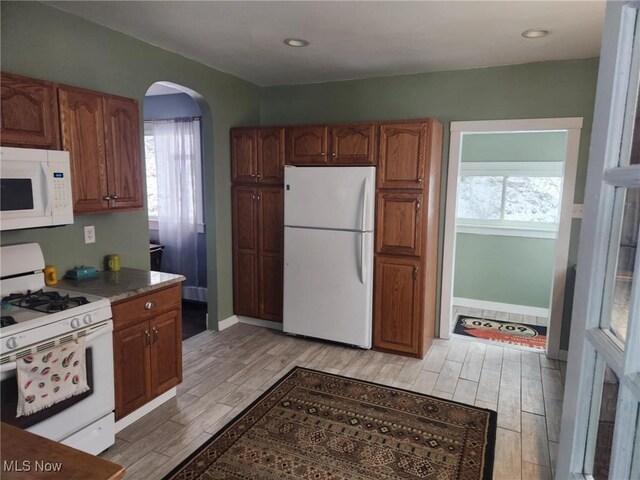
{"x": 363, "y": 259}
{"x": 366, "y": 193}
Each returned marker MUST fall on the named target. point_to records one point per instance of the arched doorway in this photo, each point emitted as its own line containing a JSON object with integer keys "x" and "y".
{"x": 176, "y": 195}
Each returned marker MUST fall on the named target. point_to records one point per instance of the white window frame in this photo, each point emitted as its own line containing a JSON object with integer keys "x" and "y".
{"x": 509, "y": 227}
{"x": 591, "y": 345}
{"x": 153, "y": 221}
{"x": 573, "y": 126}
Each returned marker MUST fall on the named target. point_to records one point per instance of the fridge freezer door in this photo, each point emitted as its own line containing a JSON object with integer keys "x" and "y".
{"x": 328, "y": 285}
{"x": 330, "y": 197}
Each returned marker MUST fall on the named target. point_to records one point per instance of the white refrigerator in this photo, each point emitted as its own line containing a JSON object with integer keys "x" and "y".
{"x": 328, "y": 253}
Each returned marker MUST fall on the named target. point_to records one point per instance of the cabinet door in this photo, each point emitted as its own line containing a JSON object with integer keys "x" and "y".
{"x": 166, "y": 351}
{"x": 244, "y": 168}
{"x": 271, "y": 155}
{"x": 353, "y": 145}
{"x": 399, "y": 223}
{"x": 403, "y": 155}
{"x": 82, "y": 121}
{"x": 397, "y": 304}
{"x": 306, "y": 145}
{"x": 124, "y": 166}
{"x": 29, "y": 113}
{"x": 245, "y": 251}
{"x": 271, "y": 239}
{"x": 131, "y": 352}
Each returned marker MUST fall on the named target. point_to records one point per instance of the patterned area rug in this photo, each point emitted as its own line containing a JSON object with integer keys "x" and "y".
{"x": 314, "y": 425}
{"x": 534, "y": 336}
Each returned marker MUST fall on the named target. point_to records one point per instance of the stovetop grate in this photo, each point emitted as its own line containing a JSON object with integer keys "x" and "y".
{"x": 45, "y": 302}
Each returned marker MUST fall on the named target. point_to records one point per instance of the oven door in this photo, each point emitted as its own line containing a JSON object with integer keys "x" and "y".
{"x": 65, "y": 418}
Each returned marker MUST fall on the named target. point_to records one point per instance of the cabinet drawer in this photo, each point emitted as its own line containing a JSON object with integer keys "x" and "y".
{"x": 143, "y": 307}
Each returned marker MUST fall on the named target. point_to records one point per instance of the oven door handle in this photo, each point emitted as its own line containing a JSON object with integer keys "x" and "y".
{"x": 98, "y": 331}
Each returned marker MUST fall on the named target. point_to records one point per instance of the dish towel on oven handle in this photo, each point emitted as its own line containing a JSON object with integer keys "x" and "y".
{"x": 50, "y": 376}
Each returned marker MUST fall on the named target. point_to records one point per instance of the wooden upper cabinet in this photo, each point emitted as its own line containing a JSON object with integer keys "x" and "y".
{"x": 270, "y": 246}
{"x": 29, "y": 113}
{"x": 353, "y": 144}
{"x": 270, "y": 153}
{"x": 398, "y": 304}
{"x": 403, "y": 155}
{"x": 166, "y": 351}
{"x": 399, "y": 218}
{"x": 245, "y": 250}
{"x": 122, "y": 139}
{"x": 244, "y": 158}
{"x": 307, "y": 145}
{"x": 82, "y": 122}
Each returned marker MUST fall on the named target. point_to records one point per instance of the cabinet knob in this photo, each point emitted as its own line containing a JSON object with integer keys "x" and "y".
{"x": 147, "y": 339}
{"x": 259, "y": 176}
{"x": 155, "y": 334}
{"x": 106, "y": 197}
{"x": 253, "y": 175}
{"x": 323, "y": 154}
{"x": 333, "y": 154}
{"x": 415, "y": 273}
{"x": 149, "y": 305}
{"x": 114, "y": 197}
{"x": 418, "y": 207}
{"x": 420, "y": 180}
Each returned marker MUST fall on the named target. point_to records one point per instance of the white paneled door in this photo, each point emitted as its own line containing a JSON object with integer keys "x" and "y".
{"x": 600, "y": 436}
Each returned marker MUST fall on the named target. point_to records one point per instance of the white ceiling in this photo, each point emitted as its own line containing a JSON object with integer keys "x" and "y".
{"x": 353, "y": 39}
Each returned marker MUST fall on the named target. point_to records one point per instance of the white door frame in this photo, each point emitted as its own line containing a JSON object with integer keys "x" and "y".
{"x": 572, "y": 125}
{"x": 590, "y": 345}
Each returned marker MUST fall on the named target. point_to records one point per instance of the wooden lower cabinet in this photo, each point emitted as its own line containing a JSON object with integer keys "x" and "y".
{"x": 147, "y": 347}
{"x": 398, "y": 304}
{"x": 258, "y": 237}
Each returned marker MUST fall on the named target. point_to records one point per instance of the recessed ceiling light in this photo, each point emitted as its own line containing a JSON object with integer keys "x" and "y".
{"x": 536, "y": 33}
{"x": 296, "y": 42}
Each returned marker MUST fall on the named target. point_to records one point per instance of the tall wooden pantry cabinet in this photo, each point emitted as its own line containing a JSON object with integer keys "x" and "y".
{"x": 407, "y": 215}
{"x": 257, "y": 172}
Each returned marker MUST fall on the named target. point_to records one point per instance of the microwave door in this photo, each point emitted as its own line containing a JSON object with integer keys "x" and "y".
{"x": 24, "y": 191}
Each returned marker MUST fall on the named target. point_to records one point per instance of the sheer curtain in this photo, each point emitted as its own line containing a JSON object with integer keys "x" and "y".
{"x": 177, "y": 150}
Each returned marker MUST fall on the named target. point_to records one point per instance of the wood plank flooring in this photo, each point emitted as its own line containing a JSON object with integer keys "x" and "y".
{"x": 225, "y": 371}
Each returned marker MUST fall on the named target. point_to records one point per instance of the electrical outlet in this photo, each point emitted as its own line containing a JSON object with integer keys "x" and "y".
{"x": 90, "y": 234}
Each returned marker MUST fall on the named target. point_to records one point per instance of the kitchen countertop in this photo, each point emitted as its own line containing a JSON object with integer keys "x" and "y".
{"x": 125, "y": 283}
{"x": 28, "y": 456}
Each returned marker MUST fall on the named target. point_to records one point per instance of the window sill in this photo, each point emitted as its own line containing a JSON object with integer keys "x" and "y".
{"x": 505, "y": 231}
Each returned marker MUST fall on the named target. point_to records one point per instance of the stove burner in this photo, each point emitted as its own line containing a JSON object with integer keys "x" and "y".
{"x": 46, "y": 302}
{"x": 5, "y": 321}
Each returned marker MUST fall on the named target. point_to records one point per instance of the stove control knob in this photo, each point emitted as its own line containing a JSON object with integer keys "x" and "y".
{"x": 75, "y": 323}
{"x": 12, "y": 343}
{"x": 87, "y": 319}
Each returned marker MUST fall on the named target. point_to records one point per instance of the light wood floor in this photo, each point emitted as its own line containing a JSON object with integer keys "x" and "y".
{"x": 225, "y": 371}
{"x": 495, "y": 315}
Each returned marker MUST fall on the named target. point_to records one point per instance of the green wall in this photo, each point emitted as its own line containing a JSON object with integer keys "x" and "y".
{"x": 534, "y": 90}
{"x": 43, "y": 42}
{"x": 515, "y": 270}
{"x": 507, "y": 269}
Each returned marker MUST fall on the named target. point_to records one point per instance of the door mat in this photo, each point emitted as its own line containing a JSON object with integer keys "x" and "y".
{"x": 534, "y": 336}
{"x": 315, "y": 425}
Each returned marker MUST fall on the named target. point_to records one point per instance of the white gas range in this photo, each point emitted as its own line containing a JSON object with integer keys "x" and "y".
{"x": 37, "y": 318}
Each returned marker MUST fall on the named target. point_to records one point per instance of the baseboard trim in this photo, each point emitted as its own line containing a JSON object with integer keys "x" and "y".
{"x": 563, "y": 355}
{"x": 146, "y": 408}
{"x": 260, "y": 323}
{"x": 227, "y": 322}
{"x": 501, "y": 307}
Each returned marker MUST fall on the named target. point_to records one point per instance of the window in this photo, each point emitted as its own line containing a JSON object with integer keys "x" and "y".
{"x": 510, "y": 198}
{"x": 152, "y": 179}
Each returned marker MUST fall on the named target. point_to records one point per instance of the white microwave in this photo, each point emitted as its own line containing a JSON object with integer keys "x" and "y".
{"x": 35, "y": 188}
